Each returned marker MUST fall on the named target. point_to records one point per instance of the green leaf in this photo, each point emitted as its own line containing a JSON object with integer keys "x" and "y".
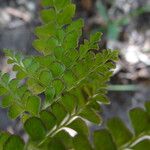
{"x": 143, "y": 145}
{"x": 5, "y": 78}
{"x": 45, "y": 46}
{"x": 58, "y": 85}
{"x": 75, "y": 25}
{"x": 15, "y": 110}
{"x": 140, "y": 120}
{"x": 49, "y": 94}
{"x": 102, "y": 11}
{"x": 16, "y": 68}
{"x": 47, "y": 2}
{"x": 113, "y": 31}
{"x": 81, "y": 142}
{"x": 69, "y": 102}
{"x": 66, "y": 15}
{"x": 90, "y": 115}
{"x": 27, "y": 61}
{"x": 119, "y": 131}
{"x": 35, "y": 87}
{"x": 21, "y": 75}
{"x": 45, "y": 77}
{"x": 56, "y": 144}
{"x": 59, "y": 111}
{"x": 6, "y": 101}
{"x": 71, "y": 40}
{"x": 48, "y": 119}
{"x": 35, "y": 128}
{"x": 65, "y": 139}
{"x": 70, "y": 79}
{"x": 13, "y": 84}
{"x": 25, "y": 117}
{"x": 21, "y": 90}
{"x": 3, "y": 138}
{"x": 45, "y": 61}
{"x": 2, "y": 90}
{"x": 10, "y": 61}
{"x": 48, "y": 15}
{"x": 94, "y": 38}
{"x": 79, "y": 126}
{"x": 57, "y": 69}
{"x": 60, "y": 4}
{"x": 103, "y": 140}
{"x": 33, "y": 67}
{"x": 46, "y": 31}
{"x": 147, "y": 106}
{"x": 14, "y": 142}
{"x": 33, "y": 105}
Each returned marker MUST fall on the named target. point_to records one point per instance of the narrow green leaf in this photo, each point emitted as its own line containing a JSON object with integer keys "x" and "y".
{"x": 113, "y": 31}
{"x": 102, "y": 11}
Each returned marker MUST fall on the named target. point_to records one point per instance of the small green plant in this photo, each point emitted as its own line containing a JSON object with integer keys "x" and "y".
{"x": 73, "y": 80}
{"x": 113, "y": 27}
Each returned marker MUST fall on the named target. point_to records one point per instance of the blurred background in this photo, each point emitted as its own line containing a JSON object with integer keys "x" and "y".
{"x": 125, "y": 25}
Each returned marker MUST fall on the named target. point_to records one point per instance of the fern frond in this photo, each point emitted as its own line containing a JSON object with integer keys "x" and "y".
{"x": 71, "y": 77}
